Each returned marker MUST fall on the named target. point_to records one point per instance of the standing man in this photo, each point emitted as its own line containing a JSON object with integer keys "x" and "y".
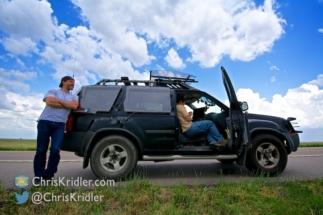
{"x": 51, "y": 124}
{"x": 191, "y": 129}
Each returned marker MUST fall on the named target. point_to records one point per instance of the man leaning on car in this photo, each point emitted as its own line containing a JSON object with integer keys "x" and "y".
{"x": 51, "y": 124}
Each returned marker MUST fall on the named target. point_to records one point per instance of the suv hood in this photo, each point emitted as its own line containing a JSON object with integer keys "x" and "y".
{"x": 283, "y": 123}
{"x": 265, "y": 117}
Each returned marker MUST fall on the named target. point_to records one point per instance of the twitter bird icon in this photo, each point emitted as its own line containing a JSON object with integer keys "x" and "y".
{"x": 22, "y": 198}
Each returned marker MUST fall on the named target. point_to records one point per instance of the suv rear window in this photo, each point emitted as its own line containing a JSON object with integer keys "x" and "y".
{"x": 99, "y": 98}
{"x": 147, "y": 99}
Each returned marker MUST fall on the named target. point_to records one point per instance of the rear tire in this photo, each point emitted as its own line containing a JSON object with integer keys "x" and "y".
{"x": 114, "y": 157}
{"x": 268, "y": 156}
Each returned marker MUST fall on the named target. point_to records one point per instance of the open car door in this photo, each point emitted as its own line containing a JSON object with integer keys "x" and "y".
{"x": 237, "y": 121}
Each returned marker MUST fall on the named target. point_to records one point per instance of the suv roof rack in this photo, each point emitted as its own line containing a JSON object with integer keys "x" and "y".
{"x": 164, "y": 78}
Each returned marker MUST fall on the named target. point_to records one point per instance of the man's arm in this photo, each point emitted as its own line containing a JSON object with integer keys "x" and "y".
{"x": 52, "y": 102}
{"x": 188, "y": 118}
{"x": 56, "y": 103}
{"x": 69, "y": 105}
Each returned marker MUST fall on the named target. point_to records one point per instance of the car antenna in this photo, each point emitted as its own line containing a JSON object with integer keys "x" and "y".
{"x": 74, "y": 64}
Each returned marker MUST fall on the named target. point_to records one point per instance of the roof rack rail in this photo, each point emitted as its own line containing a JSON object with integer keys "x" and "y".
{"x": 124, "y": 80}
{"x": 157, "y": 78}
{"x": 172, "y": 75}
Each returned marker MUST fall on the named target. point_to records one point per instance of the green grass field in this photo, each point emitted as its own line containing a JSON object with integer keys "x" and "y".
{"x": 17, "y": 145}
{"x": 30, "y": 145}
{"x": 139, "y": 196}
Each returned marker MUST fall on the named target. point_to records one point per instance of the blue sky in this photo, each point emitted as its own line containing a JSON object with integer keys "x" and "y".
{"x": 272, "y": 51}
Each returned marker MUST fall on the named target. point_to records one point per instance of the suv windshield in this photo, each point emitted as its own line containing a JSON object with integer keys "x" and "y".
{"x": 208, "y": 105}
{"x": 198, "y": 101}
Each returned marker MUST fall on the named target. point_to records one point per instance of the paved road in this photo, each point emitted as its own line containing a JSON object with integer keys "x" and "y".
{"x": 306, "y": 163}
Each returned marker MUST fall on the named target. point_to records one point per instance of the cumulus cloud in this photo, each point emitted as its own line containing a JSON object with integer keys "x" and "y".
{"x": 24, "y": 21}
{"x": 274, "y": 68}
{"x": 21, "y": 63}
{"x": 318, "y": 81}
{"x": 22, "y": 76}
{"x": 305, "y": 103}
{"x": 174, "y": 60}
{"x": 19, "y": 46}
{"x": 118, "y": 38}
{"x": 120, "y": 32}
{"x": 13, "y": 80}
{"x": 78, "y": 50}
{"x": 209, "y": 30}
{"x": 321, "y": 30}
{"x": 19, "y": 113}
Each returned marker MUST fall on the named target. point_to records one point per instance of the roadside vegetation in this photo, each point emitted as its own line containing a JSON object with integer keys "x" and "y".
{"x": 17, "y": 145}
{"x": 30, "y": 145}
{"x": 139, "y": 196}
{"x": 312, "y": 144}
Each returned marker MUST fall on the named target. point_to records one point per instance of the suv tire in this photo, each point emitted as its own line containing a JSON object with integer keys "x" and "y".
{"x": 114, "y": 157}
{"x": 267, "y": 156}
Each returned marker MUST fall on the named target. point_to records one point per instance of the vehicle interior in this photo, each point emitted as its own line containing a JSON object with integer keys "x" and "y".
{"x": 203, "y": 107}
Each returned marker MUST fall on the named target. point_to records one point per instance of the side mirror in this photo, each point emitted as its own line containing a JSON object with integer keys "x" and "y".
{"x": 244, "y": 106}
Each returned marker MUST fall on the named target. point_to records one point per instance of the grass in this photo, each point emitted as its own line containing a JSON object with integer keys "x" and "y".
{"x": 312, "y": 144}
{"x": 139, "y": 196}
{"x": 17, "y": 145}
{"x": 30, "y": 145}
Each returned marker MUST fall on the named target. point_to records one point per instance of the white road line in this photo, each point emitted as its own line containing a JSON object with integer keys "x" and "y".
{"x": 30, "y": 161}
{"x": 296, "y": 156}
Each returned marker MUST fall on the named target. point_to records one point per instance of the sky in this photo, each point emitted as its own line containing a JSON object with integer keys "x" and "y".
{"x": 272, "y": 51}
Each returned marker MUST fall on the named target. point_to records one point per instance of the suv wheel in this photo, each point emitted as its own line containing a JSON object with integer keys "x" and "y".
{"x": 267, "y": 156}
{"x": 113, "y": 157}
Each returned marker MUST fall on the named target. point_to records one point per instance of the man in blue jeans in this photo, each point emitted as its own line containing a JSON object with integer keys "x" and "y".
{"x": 191, "y": 129}
{"x": 51, "y": 125}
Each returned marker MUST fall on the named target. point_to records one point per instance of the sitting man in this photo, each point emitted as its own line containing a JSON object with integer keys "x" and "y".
{"x": 191, "y": 129}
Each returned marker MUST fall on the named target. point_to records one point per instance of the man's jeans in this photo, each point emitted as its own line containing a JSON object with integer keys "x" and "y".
{"x": 207, "y": 126}
{"x": 47, "y": 129}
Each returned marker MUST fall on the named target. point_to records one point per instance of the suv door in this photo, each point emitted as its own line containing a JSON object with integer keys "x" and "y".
{"x": 237, "y": 121}
{"x": 151, "y": 117}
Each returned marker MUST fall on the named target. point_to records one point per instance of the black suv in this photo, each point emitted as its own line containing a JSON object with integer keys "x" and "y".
{"x": 120, "y": 122}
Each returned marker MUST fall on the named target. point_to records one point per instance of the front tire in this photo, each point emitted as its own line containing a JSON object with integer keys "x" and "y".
{"x": 113, "y": 157}
{"x": 268, "y": 156}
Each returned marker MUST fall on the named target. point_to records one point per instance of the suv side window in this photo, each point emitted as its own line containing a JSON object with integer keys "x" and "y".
{"x": 99, "y": 98}
{"x": 147, "y": 99}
